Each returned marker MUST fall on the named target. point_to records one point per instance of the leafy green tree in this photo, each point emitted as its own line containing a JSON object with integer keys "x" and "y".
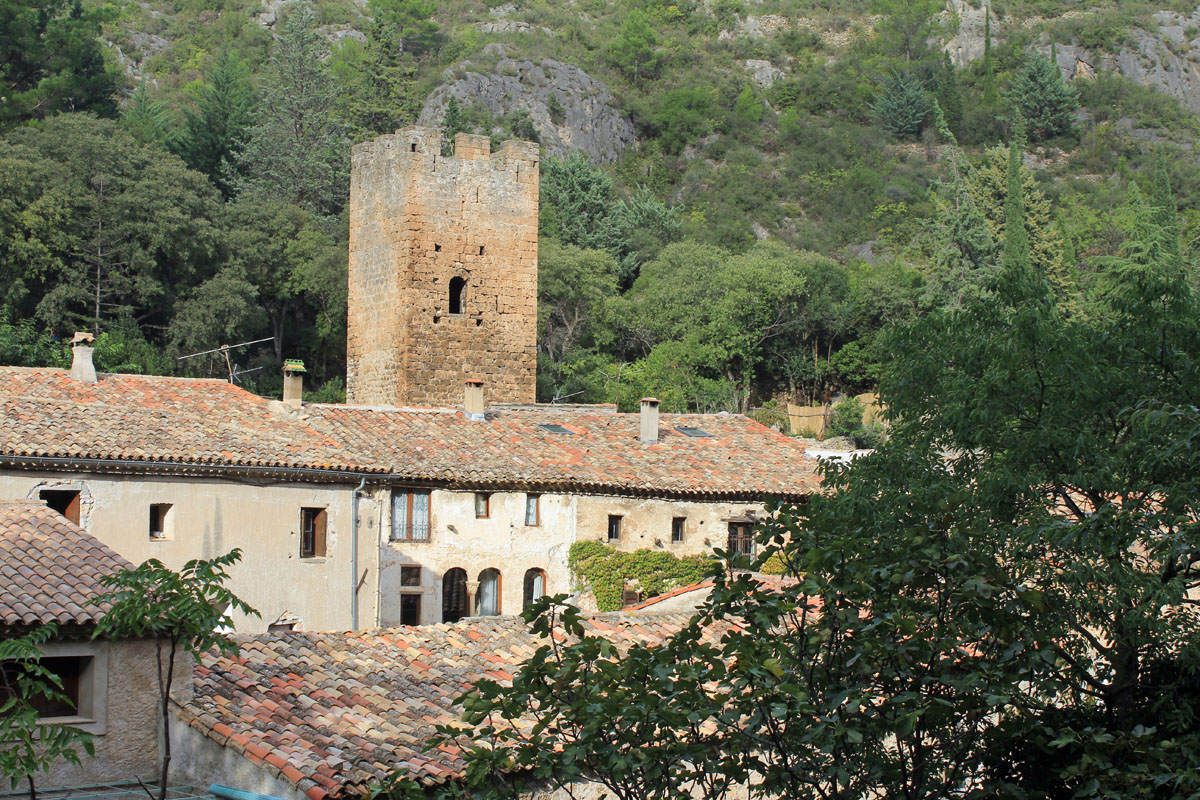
{"x": 215, "y": 131}
{"x": 906, "y": 26}
{"x": 1163, "y": 201}
{"x": 297, "y": 151}
{"x": 579, "y": 204}
{"x": 681, "y": 116}
{"x": 633, "y": 51}
{"x": 991, "y": 92}
{"x": 902, "y": 105}
{"x": 185, "y": 612}
{"x": 965, "y": 259}
{"x": 949, "y": 93}
{"x": 119, "y": 225}
{"x": 1046, "y": 104}
{"x": 51, "y": 61}
{"x": 379, "y": 80}
{"x": 32, "y": 745}
{"x": 573, "y": 285}
{"x": 997, "y": 603}
{"x": 410, "y": 24}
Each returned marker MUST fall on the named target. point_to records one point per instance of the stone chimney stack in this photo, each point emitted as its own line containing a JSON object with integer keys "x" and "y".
{"x": 649, "y": 419}
{"x": 293, "y": 382}
{"x": 473, "y": 399}
{"x": 82, "y": 368}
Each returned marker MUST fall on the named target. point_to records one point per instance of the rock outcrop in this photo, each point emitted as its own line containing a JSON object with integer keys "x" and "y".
{"x": 570, "y": 109}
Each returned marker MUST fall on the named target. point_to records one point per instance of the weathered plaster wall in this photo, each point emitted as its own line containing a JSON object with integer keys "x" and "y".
{"x": 209, "y": 517}
{"x": 126, "y": 732}
{"x": 458, "y": 539}
{"x": 417, "y": 221}
{"x": 646, "y": 522}
{"x": 200, "y": 761}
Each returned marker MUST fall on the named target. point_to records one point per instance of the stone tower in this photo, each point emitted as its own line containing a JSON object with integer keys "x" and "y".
{"x": 443, "y": 270}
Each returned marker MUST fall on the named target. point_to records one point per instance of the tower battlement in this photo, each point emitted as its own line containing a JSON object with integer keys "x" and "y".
{"x": 443, "y": 269}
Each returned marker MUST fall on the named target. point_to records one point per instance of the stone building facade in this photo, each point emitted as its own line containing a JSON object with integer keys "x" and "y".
{"x": 443, "y": 269}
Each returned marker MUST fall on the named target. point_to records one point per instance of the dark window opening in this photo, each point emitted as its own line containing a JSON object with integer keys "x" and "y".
{"x": 412, "y": 148}
{"x": 410, "y": 609}
{"x": 458, "y": 290}
{"x": 677, "y": 529}
{"x": 483, "y": 505}
{"x": 65, "y": 701}
{"x": 410, "y": 516}
{"x": 454, "y": 595}
{"x": 614, "y": 527}
{"x": 312, "y": 532}
{"x": 487, "y": 601}
{"x": 630, "y": 596}
{"x": 535, "y": 586}
{"x": 410, "y": 576}
{"x": 64, "y": 501}
{"x": 480, "y": 249}
{"x": 741, "y": 539}
{"x": 158, "y": 520}
{"x": 437, "y": 248}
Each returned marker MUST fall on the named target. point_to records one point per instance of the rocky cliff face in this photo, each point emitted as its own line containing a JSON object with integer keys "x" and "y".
{"x": 570, "y": 109}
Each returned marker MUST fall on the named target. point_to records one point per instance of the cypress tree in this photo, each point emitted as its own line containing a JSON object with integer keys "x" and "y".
{"x": 949, "y": 95}
{"x": 991, "y": 95}
{"x": 1166, "y": 214}
{"x": 1016, "y": 240}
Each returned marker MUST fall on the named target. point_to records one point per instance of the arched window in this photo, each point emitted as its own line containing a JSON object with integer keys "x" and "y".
{"x": 458, "y": 291}
{"x": 454, "y": 595}
{"x": 535, "y": 586}
{"x": 487, "y": 600}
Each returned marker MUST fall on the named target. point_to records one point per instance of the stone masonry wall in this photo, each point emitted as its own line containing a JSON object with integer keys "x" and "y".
{"x": 417, "y": 221}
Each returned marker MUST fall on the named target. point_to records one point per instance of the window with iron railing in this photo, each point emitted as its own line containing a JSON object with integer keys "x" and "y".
{"x": 410, "y": 516}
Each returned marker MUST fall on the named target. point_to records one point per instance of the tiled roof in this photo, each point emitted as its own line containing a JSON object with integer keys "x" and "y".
{"x": 209, "y": 423}
{"x": 330, "y": 713}
{"x": 50, "y": 568}
{"x": 765, "y": 582}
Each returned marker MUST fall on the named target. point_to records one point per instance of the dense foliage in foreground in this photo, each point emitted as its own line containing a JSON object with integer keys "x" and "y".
{"x": 997, "y": 603}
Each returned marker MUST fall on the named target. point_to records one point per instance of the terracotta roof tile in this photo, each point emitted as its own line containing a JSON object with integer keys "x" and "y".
{"x": 209, "y": 423}
{"x": 50, "y": 568}
{"x": 377, "y": 706}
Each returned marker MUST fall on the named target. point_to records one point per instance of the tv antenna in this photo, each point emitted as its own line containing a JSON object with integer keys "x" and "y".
{"x": 224, "y": 350}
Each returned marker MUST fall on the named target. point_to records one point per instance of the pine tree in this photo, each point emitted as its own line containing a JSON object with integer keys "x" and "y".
{"x": 298, "y": 151}
{"x": 149, "y": 121}
{"x": 1046, "y": 103}
{"x": 903, "y": 105}
{"x": 453, "y": 124}
{"x": 216, "y": 130}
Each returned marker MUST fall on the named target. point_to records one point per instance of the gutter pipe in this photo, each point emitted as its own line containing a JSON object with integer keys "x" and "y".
{"x": 353, "y": 558}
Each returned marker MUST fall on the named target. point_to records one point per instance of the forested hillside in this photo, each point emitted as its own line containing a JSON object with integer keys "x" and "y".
{"x": 737, "y": 196}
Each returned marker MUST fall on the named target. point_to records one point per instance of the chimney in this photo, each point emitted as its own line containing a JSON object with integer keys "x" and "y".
{"x": 473, "y": 399}
{"x": 293, "y": 382}
{"x": 649, "y": 420}
{"x": 82, "y": 368}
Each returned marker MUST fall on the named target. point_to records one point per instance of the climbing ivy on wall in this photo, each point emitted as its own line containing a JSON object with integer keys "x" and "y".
{"x": 607, "y": 571}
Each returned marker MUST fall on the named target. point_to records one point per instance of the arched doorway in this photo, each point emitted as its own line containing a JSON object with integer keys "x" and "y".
{"x": 454, "y": 595}
{"x": 487, "y": 601}
{"x": 535, "y": 586}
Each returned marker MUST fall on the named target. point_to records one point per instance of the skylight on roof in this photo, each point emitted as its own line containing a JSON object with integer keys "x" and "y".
{"x": 695, "y": 433}
{"x": 556, "y": 428}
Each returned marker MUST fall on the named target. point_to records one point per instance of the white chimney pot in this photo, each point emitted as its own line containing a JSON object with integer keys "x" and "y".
{"x": 82, "y": 368}
{"x": 649, "y": 420}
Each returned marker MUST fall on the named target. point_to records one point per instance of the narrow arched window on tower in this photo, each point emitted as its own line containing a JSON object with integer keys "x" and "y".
{"x": 458, "y": 289}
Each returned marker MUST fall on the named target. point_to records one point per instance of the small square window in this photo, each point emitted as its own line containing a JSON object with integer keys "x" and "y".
{"x": 677, "y": 529}
{"x": 410, "y": 576}
{"x": 160, "y": 521}
{"x": 480, "y": 249}
{"x": 483, "y": 505}
{"x": 614, "y": 527}
{"x": 437, "y": 248}
{"x": 312, "y": 532}
{"x": 412, "y": 147}
{"x": 533, "y": 509}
